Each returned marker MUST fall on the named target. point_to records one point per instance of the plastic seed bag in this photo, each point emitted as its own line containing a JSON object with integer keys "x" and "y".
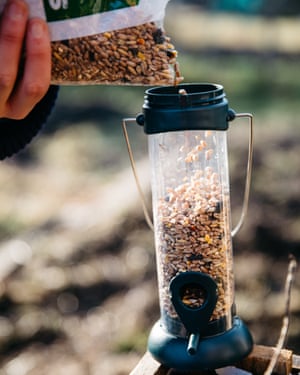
{"x": 116, "y": 42}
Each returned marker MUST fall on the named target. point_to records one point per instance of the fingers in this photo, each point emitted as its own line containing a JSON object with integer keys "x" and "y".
{"x": 37, "y": 70}
{"x": 12, "y": 29}
{"x": 19, "y": 94}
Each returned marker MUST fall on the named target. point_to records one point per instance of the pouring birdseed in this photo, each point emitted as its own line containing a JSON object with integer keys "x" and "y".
{"x": 108, "y": 42}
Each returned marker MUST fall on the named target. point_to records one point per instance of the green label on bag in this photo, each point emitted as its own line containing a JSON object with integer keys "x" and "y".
{"x": 57, "y": 10}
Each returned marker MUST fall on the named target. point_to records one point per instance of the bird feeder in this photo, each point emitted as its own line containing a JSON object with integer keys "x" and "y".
{"x": 187, "y": 138}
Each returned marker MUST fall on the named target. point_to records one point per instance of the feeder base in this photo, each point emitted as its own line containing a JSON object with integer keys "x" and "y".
{"x": 213, "y": 352}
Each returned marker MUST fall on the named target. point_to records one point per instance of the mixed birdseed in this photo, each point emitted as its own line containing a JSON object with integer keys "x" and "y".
{"x": 193, "y": 235}
{"x": 140, "y": 55}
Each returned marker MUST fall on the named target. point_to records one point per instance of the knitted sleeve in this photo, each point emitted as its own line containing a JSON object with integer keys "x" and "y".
{"x": 16, "y": 134}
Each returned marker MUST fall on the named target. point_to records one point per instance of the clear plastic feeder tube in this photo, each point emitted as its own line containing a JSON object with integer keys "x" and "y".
{"x": 187, "y": 127}
{"x": 192, "y": 221}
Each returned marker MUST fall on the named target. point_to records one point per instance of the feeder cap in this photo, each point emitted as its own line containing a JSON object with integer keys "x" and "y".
{"x": 196, "y": 106}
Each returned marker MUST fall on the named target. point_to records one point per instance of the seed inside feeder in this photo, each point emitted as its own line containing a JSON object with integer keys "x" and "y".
{"x": 193, "y": 296}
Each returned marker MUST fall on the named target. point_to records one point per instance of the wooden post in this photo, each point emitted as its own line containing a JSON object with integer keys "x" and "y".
{"x": 256, "y": 363}
{"x": 148, "y": 366}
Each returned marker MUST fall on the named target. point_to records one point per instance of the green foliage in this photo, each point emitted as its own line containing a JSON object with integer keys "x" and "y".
{"x": 258, "y": 84}
{"x": 137, "y": 343}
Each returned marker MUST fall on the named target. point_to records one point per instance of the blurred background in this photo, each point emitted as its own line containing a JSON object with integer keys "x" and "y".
{"x": 78, "y": 288}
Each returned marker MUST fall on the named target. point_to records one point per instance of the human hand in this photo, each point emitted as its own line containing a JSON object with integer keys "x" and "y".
{"x": 21, "y": 90}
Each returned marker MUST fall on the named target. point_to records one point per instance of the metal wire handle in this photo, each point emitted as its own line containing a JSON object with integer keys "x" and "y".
{"x": 133, "y": 166}
{"x": 248, "y": 176}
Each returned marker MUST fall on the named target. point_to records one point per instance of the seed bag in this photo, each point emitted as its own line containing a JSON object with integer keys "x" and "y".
{"x": 108, "y": 41}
